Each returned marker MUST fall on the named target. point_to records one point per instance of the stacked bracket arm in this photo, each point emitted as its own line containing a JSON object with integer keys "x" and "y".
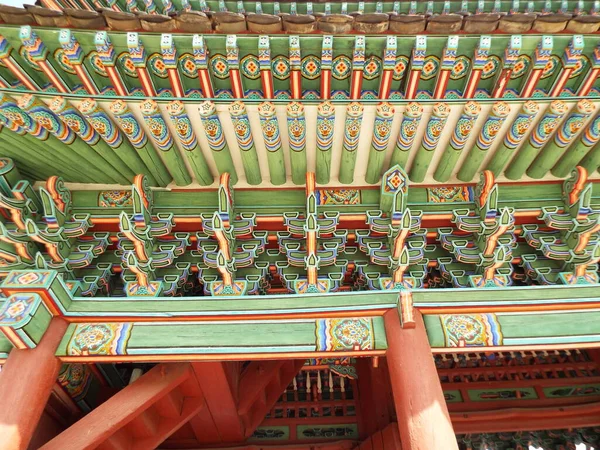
{"x": 149, "y": 250}
{"x": 568, "y": 247}
{"x": 230, "y": 249}
{"x": 394, "y": 243}
{"x": 61, "y": 232}
{"x": 312, "y": 246}
{"x": 482, "y": 249}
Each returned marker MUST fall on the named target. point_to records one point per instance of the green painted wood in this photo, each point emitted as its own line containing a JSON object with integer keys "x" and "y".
{"x": 99, "y": 167}
{"x": 382, "y": 129}
{"x": 585, "y": 144}
{"x": 563, "y": 137}
{"x": 25, "y": 156}
{"x": 296, "y": 124}
{"x": 241, "y": 124}
{"x": 411, "y": 118}
{"x": 161, "y": 135}
{"x": 459, "y": 138}
{"x": 347, "y": 165}
{"x": 148, "y": 338}
{"x": 216, "y": 140}
{"x": 166, "y": 307}
{"x": 5, "y": 346}
{"x": 223, "y": 335}
{"x": 325, "y": 132}
{"x": 298, "y": 165}
{"x": 487, "y": 134}
{"x": 424, "y": 155}
{"x": 38, "y": 325}
{"x": 352, "y": 127}
{"x": 189, "y": 143}
{"x": 537, "y": 139}
{"x": 156, "y": 168}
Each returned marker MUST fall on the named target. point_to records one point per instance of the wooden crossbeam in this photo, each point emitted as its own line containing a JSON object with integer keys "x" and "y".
{"x": 140, "y": 416}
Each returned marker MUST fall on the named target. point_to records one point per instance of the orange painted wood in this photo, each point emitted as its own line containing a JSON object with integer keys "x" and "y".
{"x": 213, "y": 379}
{"x": 423, "y": 419}
{"x": 28, "y": 378}
{"x": 104, "y": 426}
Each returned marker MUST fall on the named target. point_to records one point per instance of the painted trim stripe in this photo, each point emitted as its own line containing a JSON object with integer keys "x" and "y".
{"x": 386, "y": 84}
{"x": 531, "y": 83}
{"x": 205, "y": 83}
{"x": 54, "y": 77}
{"x": 325, "y": 84}
{"x": 85, "y": 78}
{"x": 412, "y": 84}
{"x": 116, "y": 80}
{"x": 21, "y": 74}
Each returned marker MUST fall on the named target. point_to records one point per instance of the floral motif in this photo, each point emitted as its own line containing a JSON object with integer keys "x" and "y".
{"x": 400, "y": 67}
{"x": 341, "y": 67}
{"x": 471, "y": 330}
{"x": 337, "y": 196}
{"x": 106, "y": 339}
{"x": 250, "y": 67}
{"x": 280, "y": 66}
{"x": 345, "y": 334}
{"x": 115, "y": 199}
{"x": 551, "y": 66}
{"x": 126, "y": 63}
{"x": 490, "y": 68}
{"x": 372, "y": 70}
{"x": 450, "y": 194}
{"x": 187, "y": 64}
{"x": 96, "y": 63}
{"x": 582, "y": 64}
{"x": 27, "y": 58}
{"x": 460, "y": 67}
{"x": 157, "y": 65}
{"x": 311, "y": 67}
{"x": 431, "y": 65}
{"x": 219, "y": 66}
{"x": 521, "y": 66}
{"x": 63, "y": 61}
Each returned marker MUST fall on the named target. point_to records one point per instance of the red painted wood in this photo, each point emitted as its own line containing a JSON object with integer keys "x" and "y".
{"x": 28, "y": 378}
{"x": 391, "y": 437}
{"x": 213, "y": 379}
{"x": 521, "y": 419}
{"x": 255, "y": 379}
{"x": 106, "y": 427}
{"x": 423, "y": 419}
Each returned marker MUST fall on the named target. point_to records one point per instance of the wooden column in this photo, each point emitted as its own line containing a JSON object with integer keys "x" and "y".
{"x": 423, "y": 419}
{"x": 26, "y": 382}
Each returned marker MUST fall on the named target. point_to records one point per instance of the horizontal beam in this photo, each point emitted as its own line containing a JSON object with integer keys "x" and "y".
{"x": 521, "y": 419}
{"x": 183, "y": 341}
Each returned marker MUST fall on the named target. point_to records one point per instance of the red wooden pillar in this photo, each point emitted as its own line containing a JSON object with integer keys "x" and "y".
{"x": 26, "y": 381}
{"x": 423, "y": 419}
